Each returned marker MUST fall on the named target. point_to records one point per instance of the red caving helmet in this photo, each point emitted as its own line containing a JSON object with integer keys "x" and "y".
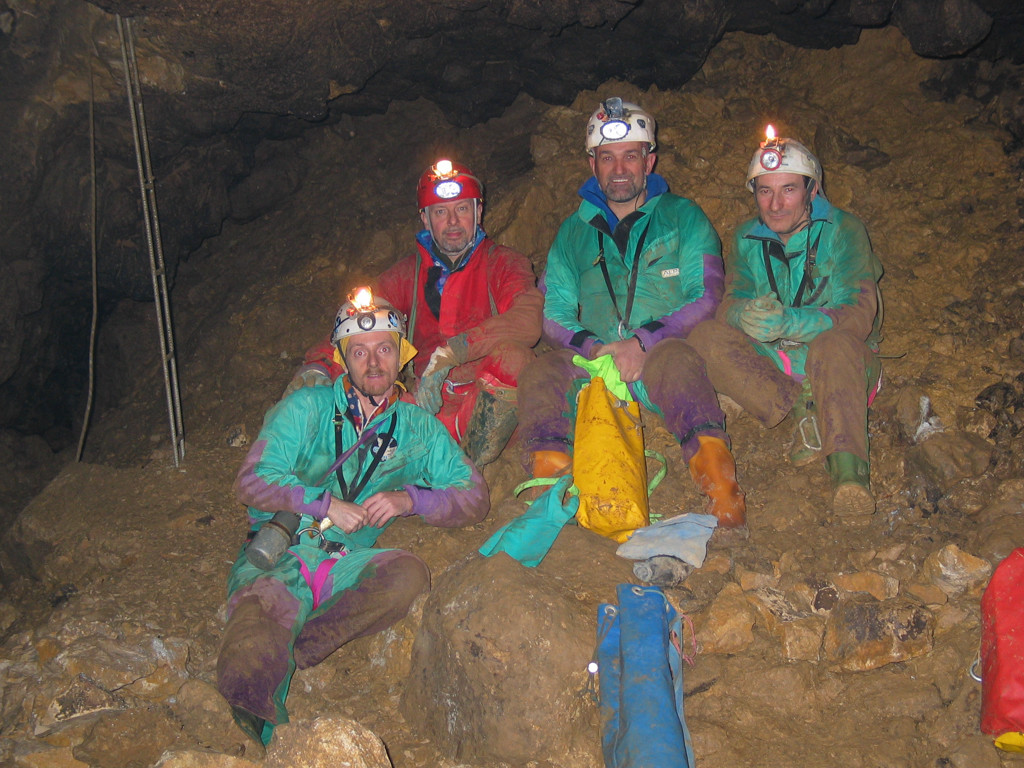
{"x": 446, "y": 181}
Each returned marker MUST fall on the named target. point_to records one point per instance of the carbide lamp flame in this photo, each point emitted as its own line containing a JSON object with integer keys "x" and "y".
{"x": 443, "y": 168}
{"x": 769, "y": 133}
{"x": 362, "y": 300}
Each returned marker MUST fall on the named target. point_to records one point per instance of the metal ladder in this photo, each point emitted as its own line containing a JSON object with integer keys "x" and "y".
{"x": 152, "y": 224}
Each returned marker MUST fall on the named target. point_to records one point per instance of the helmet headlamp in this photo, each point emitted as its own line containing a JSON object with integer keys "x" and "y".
{"x": 361, "y": 300}
{"x": 778, "y": 155}
{"x": 771, "y": 155}
{"x": 617, "y": 121}
{"x": 614, "y": 130}
{"x": 447, "y": 190}
{"x": 446, "y": 181}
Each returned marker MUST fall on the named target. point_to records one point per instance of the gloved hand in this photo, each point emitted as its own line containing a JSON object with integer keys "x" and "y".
{"x": 805, "y": 323}
{"x": 428, "y": 393}
{"x": 529, "y": 537}
{"x": 762, "y": 318}
{"x": 310, "y": 375}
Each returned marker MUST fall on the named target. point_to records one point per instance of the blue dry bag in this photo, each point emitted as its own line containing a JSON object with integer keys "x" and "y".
{"x": 641, "y": 682}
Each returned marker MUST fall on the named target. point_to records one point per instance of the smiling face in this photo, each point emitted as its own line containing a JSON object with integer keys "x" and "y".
{"x": 452, "y": 225}
{"x": 372, "y": 360}
{"x": 783, "y": 202}
{"x": 621, "y": 172}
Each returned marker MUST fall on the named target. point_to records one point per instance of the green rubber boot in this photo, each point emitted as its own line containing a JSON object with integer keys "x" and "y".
{"x": 493, "y": 421}
{"x": 806, "y": 447}
{"x": 851, "y": 493}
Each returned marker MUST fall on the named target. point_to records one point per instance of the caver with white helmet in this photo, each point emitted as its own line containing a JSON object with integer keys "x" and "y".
{"x": 362, "y": 313}
{"x": 616, "y": 121}
{"x": 783, "y": 156}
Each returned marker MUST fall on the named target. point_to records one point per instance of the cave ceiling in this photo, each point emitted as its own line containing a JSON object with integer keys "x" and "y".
{"x": 325, "y": 58}
{"x": 220, "y": 78}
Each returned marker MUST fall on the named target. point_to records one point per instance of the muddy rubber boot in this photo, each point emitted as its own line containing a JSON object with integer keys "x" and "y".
{"x": 714, "y": 471}
{"x": 491, "y": 425}
{"x": 851, "y": 494}
{"x": 806, "y": 447}
{"x": 550, "y": 463}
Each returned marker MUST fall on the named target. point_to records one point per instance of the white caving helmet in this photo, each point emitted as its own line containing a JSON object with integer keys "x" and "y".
{"x": 616, "y": 121}
{"x": 364, "y": 314}
{"x": 783, "y": 156}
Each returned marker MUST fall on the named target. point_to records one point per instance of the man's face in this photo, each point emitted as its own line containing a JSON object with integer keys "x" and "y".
{"x": 372, "y": 362}
{"x": 782, "y": 201}
{"x": 453, "y": 225}
{"x": 621, "y": 170}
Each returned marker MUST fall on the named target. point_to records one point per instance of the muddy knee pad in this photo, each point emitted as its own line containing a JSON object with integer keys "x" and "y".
{"x": 671, "y": 359}
{"x": 381, "y": 596}
{"x": 506, "y": 361}
{"x": 253, "y": 659}
{"x": 542, "y": 405}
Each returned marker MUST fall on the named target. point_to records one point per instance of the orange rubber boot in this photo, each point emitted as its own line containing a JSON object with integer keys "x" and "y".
{"x": 551, "y": 463}
{"x": 714, "y": 471}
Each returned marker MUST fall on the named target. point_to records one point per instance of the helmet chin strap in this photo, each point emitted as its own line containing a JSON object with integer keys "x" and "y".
{"x": 456, "y": 258}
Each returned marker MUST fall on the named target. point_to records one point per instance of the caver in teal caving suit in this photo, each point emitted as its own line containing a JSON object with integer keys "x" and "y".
{"x": 826, "y": 279}
{"x": 322, "y": 594}
{"x": 661, "y": 275}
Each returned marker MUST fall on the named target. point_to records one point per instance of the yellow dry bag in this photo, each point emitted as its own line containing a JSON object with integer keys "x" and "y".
{"x": 608, "y": 465}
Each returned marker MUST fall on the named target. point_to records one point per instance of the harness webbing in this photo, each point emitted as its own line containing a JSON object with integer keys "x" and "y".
{"x": 805, "y": 279}
{"x": 351, "y": 493}
{"x": 633, "y": 274}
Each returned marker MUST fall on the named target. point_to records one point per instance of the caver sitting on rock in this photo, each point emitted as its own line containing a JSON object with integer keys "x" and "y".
{"x": 474, "y": 313}
{"x": 801, "y": 316}
{"x": 347, "y": 460}
{"x": 629, "y": 275}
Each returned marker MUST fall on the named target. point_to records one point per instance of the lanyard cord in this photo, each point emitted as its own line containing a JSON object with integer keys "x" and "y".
{"x": 633, "y": 273}
{"x": 349, "y": 494}
{"x": 809, "y": 264}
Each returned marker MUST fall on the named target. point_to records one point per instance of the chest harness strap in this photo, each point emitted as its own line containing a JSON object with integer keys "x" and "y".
{"x": 316, "y": 580}
{"x": 633, "y": 273}
{"x": 347, "y": 493}
{"x": 767, "y": 248}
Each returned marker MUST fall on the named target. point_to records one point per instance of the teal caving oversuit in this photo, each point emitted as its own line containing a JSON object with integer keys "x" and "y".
{"x": 654, "y": 275}
{"x": 826, "y": 278}
{"x": 329, "y": 589}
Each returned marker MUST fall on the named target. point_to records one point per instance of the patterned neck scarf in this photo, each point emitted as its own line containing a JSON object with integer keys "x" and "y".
{"x": 355, "y": 411}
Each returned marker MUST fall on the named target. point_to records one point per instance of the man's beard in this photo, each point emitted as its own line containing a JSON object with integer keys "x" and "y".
{"x": 622, "y": 192}
{"x": 453, "y": 251}
{"x": 378, "y": 387}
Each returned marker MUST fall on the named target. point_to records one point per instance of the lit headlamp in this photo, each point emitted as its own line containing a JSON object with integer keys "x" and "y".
{"x": 446, "y": 186}
{"x": 771, "y": 150}
{"x": 362, "y": 305}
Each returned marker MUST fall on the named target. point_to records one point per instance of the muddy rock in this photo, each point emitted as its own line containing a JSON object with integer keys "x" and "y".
{"x": 727, "y": 626}
{"x": 797, "y": 632}
{"x": 879, "y": 585}
{"x": 943, "y": 460}
{"x": 863, "y": 633}
{"x": 485, "y": 686}
{"x": 134, "y": 738}
{"x": 954, "y": 571}
{"x": 915, "y": 419}
{"x": 326, "y": 742}
{"x": 205, "y": 718}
